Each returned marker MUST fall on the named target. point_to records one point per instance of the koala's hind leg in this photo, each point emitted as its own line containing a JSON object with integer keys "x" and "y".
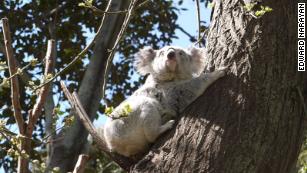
{"x": 166, "y": 126}
{"x": 153, "y": 126}
{"x": 153, "y": 133}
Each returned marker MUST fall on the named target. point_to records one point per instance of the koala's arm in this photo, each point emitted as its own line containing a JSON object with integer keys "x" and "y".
{"x": 189, "y": 91}
{"x": 200, "y": 84}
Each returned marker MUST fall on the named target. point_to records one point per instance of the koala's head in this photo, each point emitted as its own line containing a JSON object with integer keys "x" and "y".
{"x": 170, "y": 63}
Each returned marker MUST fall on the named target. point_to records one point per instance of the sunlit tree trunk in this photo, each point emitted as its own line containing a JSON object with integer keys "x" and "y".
{"x": 252, "y": 120}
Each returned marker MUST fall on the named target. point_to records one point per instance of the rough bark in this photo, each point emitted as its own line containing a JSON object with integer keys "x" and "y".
{"x": 252, "y": 120}
{"x": 65, "y": 152}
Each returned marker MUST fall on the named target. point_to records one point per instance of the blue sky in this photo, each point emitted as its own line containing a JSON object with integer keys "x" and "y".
{"x": 186, "y": 19}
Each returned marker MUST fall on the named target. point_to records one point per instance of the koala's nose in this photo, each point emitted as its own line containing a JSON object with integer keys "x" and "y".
{"x": 171, "y": 55}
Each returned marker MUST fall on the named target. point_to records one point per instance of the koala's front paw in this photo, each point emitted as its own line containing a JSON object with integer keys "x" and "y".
{"x": 223, "y": 68}
{"x": 221, "y": 71}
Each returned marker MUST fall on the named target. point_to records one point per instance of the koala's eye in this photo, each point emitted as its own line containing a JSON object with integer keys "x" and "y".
{"x": 161, "y": 53}
{"x": 181, "y": 53}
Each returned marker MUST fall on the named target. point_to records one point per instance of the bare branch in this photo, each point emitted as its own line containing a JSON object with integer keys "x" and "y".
{"x": 119, "y": 37}
{"x": 37, "y": 109}
{"x": 101, "y": 12}
{"x": 18, "y": 72}
{"x": 198, "y": 19}
{"x": 201, "y": 39}
{"x": 14, "y": 80}
{"x": 192, "y": 38}
{"x": 122, "y": 161}
{"x": 80, "y": 165}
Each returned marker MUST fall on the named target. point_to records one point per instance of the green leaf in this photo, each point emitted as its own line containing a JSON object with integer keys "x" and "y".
{"x": 5, "y": 83}
{"x": 249, "y": 6}
{"x": 259, "y": 13}
{"x": 211, "y": 5}
{"x": 127, "y": 109}
{"x": 57, "y": 111}
{"x": 81, "y": 4}
{"x": 90, "y": 1}
{"x": 268, "y": 9}
{"x": 180, "y": 2}
{"x": 264, "y": 9}
{"x": 3, "y": 66}
{"x": 68, "y": 120}
{"x": 108, "y": 110}
{"x": 33, "y": 62}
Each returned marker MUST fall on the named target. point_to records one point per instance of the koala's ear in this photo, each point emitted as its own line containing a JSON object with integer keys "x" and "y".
{"x": 143, "y": 60}
{"x": 198, "y": 59}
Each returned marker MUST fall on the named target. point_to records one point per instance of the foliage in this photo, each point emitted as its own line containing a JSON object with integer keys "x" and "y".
{"x": 263, "y": 10}
{"x": 257, "y": 11}
{"x": 108, "y": 110}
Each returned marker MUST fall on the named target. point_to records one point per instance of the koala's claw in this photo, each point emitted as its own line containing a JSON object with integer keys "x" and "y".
{"x": 170, "y": 124}
{"x": 223, "y": 68}
{"x": 222, "y": 71}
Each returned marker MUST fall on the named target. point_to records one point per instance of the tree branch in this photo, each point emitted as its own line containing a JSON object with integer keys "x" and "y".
{"x": 198, "y": 19}
{"x": 101, "y": 12}
{"x": 14, "y": 80}
{"x": 80, "y": 165}
{"x": 192, "y": 38}
{"x": 119, "y": 37}
{"x": 37, "y": 109}
{"x": 73, "y": 99}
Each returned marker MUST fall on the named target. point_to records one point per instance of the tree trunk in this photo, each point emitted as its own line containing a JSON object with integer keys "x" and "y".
{"x": 252, "y": 120}
{"x": 71, "y": 143}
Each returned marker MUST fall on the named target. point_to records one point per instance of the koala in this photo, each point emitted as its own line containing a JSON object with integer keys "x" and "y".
{"x": 175, "y": 79}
